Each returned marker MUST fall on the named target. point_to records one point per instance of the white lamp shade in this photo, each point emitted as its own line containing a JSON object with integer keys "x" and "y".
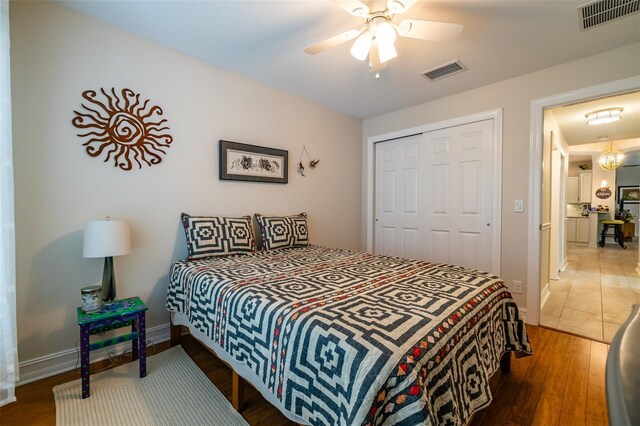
{"x": 104, "y": 238}
{"x": 361, "y": 46}
{"x": 385, "y": 34}
{"x": 386, "y": 52}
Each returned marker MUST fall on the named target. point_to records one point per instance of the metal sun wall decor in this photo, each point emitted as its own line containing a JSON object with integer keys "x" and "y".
{"x": 123, "y": 128}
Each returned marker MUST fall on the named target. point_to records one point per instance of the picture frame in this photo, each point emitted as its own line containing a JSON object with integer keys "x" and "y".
{"x": 253, "y": 163}
{"x": 628, "y": 194}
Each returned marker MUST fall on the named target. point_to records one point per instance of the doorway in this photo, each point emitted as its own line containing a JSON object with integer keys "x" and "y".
{"x": 586, "y": 289}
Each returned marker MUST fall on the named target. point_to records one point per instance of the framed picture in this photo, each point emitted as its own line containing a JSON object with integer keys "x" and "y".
{"x": 239, "y": 161}
{"x": 628, "y": 194}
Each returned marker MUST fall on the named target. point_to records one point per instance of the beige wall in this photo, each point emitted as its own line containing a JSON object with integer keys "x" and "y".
{"x": 57, "y": 54}
{"x": 514, "y": 96}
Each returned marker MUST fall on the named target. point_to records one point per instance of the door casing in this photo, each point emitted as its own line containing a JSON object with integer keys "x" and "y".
{"x": 535, "y": 175}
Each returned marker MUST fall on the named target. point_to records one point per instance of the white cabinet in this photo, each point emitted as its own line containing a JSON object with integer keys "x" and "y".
{"x": 577, "y": 229}
{"x": 582, "y": 230}
{"x": 572, "y": 189}
{"x": 570, "y": 228}
{"x": 585, "y": 188}
{"x": 579, "y": 188}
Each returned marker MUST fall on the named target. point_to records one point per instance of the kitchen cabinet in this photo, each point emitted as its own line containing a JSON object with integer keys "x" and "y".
{"x": 572, "y": 190}
{"x": 570, "y": 228}
{"x": 585, "y": 188}
{"x": 582, "y": 230}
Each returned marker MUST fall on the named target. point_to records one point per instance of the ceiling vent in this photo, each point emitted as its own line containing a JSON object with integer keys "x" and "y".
{"x": 444, "y": 71}
{"x": 602, "y": 11}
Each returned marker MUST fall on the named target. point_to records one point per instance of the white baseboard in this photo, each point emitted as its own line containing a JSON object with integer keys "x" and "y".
{"x": 564, "y": 265}
{"x": 59, "y": 362}
{"x": 546, "y": 292}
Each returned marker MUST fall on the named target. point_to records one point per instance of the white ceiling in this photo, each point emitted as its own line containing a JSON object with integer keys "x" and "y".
{"x": 263, "y": 40}
{"x": 571, "y": 120}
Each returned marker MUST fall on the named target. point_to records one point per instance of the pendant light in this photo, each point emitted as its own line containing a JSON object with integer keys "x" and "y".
{"x": 612, "y": 158}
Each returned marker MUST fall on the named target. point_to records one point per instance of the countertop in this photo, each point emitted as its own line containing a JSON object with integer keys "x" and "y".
{"x": 587, "y": 216}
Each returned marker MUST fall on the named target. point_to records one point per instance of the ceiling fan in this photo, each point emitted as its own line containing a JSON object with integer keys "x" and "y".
{"x": 377, "y": 37}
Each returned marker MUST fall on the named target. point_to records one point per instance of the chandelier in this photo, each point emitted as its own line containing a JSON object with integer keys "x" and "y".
{"x": 611, "y": 158}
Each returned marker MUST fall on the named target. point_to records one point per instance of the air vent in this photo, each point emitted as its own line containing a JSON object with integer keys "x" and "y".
{"x": 444, "y": 71}
{"x": 602, "y": 11}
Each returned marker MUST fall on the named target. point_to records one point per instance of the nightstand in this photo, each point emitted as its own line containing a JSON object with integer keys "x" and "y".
{"x": 119, "y": 313}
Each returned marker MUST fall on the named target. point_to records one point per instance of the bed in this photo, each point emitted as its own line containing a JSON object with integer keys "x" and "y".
{"x": 339, "y": 337}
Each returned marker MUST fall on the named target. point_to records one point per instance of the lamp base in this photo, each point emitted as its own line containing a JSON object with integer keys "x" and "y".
{"x": 108, "y": 280}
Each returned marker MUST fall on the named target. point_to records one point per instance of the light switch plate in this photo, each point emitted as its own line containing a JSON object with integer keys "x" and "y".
{"x": 517, "y": 287}
{"x": 518, "y": 206}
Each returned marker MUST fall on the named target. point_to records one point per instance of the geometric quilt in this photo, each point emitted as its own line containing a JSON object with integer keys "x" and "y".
{"x": 340, "y": 337}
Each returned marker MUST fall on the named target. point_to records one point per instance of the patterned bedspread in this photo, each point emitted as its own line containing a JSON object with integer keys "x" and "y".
{"x": 349, "y": 338}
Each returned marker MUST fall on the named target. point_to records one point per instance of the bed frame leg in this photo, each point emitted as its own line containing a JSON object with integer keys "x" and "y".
{"x": 176, "y": 334}
{"x": 505, "y": 362}
{"x": 237, "y": 391}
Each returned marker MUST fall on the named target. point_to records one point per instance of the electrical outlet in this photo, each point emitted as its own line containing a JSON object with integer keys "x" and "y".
{"x": 517, "y": 286}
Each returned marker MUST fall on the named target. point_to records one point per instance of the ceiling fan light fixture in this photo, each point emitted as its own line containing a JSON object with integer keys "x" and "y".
{"x": 386, "y": 52}
{"x": 361, "y": 46}
{"x": 385, "y": 34}
{"x": 377, "y": 36}
{"x": 612, "y": 158}
{"x": 604, "y": 116}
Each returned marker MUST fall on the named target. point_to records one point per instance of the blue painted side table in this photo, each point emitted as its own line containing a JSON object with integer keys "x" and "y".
{"x": 119, "y": 313}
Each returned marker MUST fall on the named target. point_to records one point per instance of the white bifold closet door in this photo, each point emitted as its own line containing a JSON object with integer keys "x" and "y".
{"x": 434, "y": 196}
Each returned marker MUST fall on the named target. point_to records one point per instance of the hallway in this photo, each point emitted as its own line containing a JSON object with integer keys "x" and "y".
{"x": 594, "y": 294}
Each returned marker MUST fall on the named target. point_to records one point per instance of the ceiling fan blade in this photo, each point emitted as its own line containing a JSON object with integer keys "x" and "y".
{"x": 354, "y": 7}
{"x": 399, "y": 6}
{"x": 429, "y": 30}
{"x": 332, "y": 42}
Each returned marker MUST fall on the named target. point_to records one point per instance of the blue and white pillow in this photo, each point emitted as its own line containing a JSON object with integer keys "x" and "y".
{"x": 280, "y": 232}
{"x": 218, "y": 236}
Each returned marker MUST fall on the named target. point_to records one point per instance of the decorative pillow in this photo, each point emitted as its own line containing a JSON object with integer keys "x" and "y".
{"x": 218, "y": 236}
{"x": 280, "y": 232}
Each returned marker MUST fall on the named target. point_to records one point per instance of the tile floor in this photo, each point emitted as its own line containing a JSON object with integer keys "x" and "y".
{"x": 594, "y": 294}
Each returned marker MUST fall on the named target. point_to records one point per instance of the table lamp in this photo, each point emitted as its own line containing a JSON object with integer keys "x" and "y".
{"x": 106, "y": 238}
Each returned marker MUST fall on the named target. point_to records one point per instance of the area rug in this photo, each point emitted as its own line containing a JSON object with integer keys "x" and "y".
{"x": 175, "y": 392}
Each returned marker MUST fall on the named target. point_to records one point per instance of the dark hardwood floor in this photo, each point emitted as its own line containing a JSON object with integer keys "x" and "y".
{"x": 562, "y": 384}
